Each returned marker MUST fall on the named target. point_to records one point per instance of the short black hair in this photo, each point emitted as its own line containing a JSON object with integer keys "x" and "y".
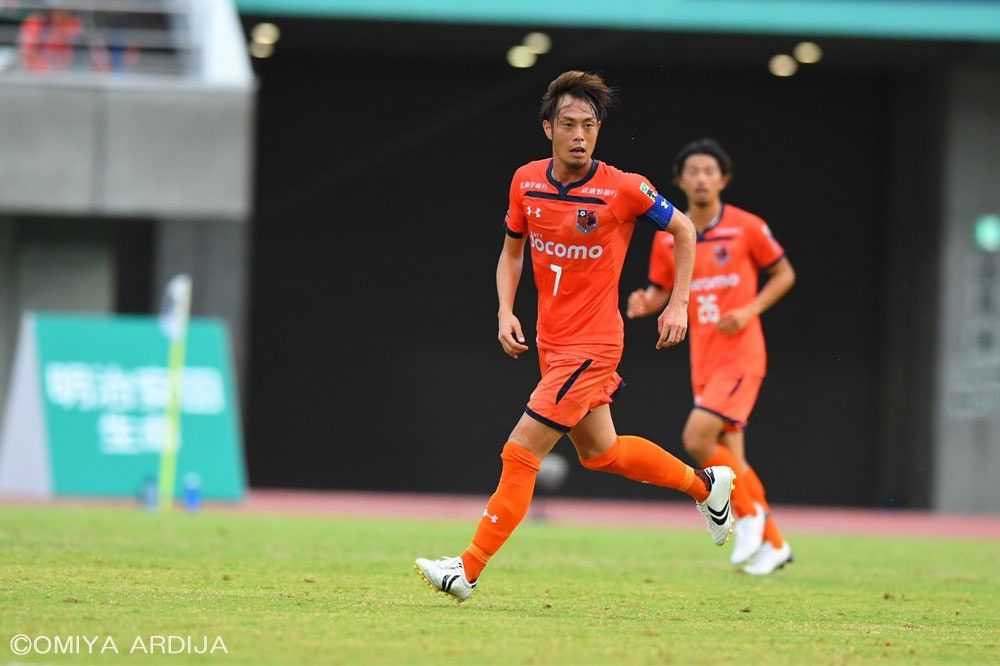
{"x": 587, "y": 86}
{"x": 705, "y": 146}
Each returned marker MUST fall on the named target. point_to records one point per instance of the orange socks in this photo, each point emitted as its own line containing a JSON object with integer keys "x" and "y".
{"x": 742, "y": 498}
{"x": 633, "y": 457}
{"x": 505, "y": 509}
{"x": 756, "y": 488}
{"x": 748, "y": 490}
{"x": 641, "y": 460}
{"x": 771, "y": 533}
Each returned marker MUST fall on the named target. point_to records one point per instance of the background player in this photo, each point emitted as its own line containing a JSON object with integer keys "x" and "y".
{"x": 578, "y": 215}
{"x": 728, "y": 357}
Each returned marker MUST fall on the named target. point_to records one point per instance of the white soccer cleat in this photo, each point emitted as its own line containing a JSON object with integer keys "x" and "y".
{"x": 716, "y": 509}
{"x": 446, "y": 575}
{"x": 748, "y": 535}
{"x": 769, "y": 559}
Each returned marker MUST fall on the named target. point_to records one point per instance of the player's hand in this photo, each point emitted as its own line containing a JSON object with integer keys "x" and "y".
{"x": 510, "y": 336}
{"x": 638, "y": 304}
{"x": 735, "y": 321}
{"x": 673, "y": 325}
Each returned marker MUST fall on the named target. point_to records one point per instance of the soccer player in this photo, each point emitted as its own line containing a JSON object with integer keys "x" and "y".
{"x": 728, "y": 359}
{"x": 577, "y": 215}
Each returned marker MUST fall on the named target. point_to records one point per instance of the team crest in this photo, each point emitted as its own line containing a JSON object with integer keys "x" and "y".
{"x": 586, "y": 220}
{"x": 722, "y": 255}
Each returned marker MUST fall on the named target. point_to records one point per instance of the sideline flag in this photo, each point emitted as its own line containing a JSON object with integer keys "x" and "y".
{"x": 174, "y": 323}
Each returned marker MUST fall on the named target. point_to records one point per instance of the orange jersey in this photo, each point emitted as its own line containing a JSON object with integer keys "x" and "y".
{"x": 47, "y": 41}
{"x": 579, "y": 235}
{"x": 728, "y": 258}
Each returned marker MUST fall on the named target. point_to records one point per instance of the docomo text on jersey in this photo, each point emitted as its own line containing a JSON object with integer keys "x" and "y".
{"x": 561, "y": 250}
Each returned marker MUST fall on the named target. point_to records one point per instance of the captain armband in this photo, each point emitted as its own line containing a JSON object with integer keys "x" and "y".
{"x": 660, "y": 213}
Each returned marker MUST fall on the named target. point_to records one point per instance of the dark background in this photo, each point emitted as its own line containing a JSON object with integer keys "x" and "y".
{"x": 384, "y": 157}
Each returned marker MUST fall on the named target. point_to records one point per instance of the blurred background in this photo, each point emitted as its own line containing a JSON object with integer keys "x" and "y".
{"x": 333, "y": 175}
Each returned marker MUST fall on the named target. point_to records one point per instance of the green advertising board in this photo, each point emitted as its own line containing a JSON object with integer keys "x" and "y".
{"x": 86, "y": 409}
{"x": 975, "y": 20}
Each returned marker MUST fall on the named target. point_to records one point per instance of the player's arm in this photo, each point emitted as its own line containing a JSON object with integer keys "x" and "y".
{"x": 781, "y": 277}
{"x": 648, "y": 301}
{"x": 673, "y": 321}
{"x": 509, "y": 269}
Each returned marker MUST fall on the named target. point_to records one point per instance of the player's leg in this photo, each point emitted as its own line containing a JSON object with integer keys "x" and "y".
{"x": 773, "y": 552}
{"x": 735, "y": 441}
{"x": 749, "y": 531}
{"x": 529, "y": 442}
{"x": 550, "y": 414}
{"x": 601, "y": 449}
{"x": 701, "y": 436}
{"x": 759, "y": 544}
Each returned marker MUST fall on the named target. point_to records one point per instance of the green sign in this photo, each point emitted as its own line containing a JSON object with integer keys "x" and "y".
{"x": 987, "y": 233}
{"x": 976, "y": 20}
{"x": 98, "y": 389}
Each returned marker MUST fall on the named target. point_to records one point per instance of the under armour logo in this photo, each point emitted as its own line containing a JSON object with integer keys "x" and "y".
{"x": 536, "y": 212}
{"x": 493, "y": 517}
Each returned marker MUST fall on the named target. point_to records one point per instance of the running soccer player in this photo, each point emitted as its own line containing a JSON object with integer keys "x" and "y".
{"x": 577, "y": 215}
{"x": 728, "y": 358}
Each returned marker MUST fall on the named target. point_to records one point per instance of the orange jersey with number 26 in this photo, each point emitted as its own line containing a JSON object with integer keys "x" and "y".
{"x": 728, "y": 258}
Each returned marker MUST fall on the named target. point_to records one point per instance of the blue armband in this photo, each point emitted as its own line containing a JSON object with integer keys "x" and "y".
{"x": 660, "y": 213}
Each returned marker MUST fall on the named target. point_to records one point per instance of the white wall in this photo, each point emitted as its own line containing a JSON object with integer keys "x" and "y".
{"x": 967, "y": 451}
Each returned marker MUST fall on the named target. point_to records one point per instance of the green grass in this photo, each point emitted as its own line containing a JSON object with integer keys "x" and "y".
{"x": 300, "y": 591}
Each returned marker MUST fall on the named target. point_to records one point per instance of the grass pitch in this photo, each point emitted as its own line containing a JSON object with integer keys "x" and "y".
{"x": 299, "y": 591}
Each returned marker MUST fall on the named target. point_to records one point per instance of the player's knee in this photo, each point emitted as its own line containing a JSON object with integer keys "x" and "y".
{"x": 591, "y": 447}
{"x": 533, "y": 436}
{"x": 697, "y": 442}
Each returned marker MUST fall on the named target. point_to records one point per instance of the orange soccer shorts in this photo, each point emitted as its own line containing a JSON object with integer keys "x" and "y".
{"x": 572, "y": 384}
{"x": 730, "y": 395}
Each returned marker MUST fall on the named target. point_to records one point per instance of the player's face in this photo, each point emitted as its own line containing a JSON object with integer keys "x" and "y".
{"x": 574, "y": 132}
{"x": 702, "y": 180}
